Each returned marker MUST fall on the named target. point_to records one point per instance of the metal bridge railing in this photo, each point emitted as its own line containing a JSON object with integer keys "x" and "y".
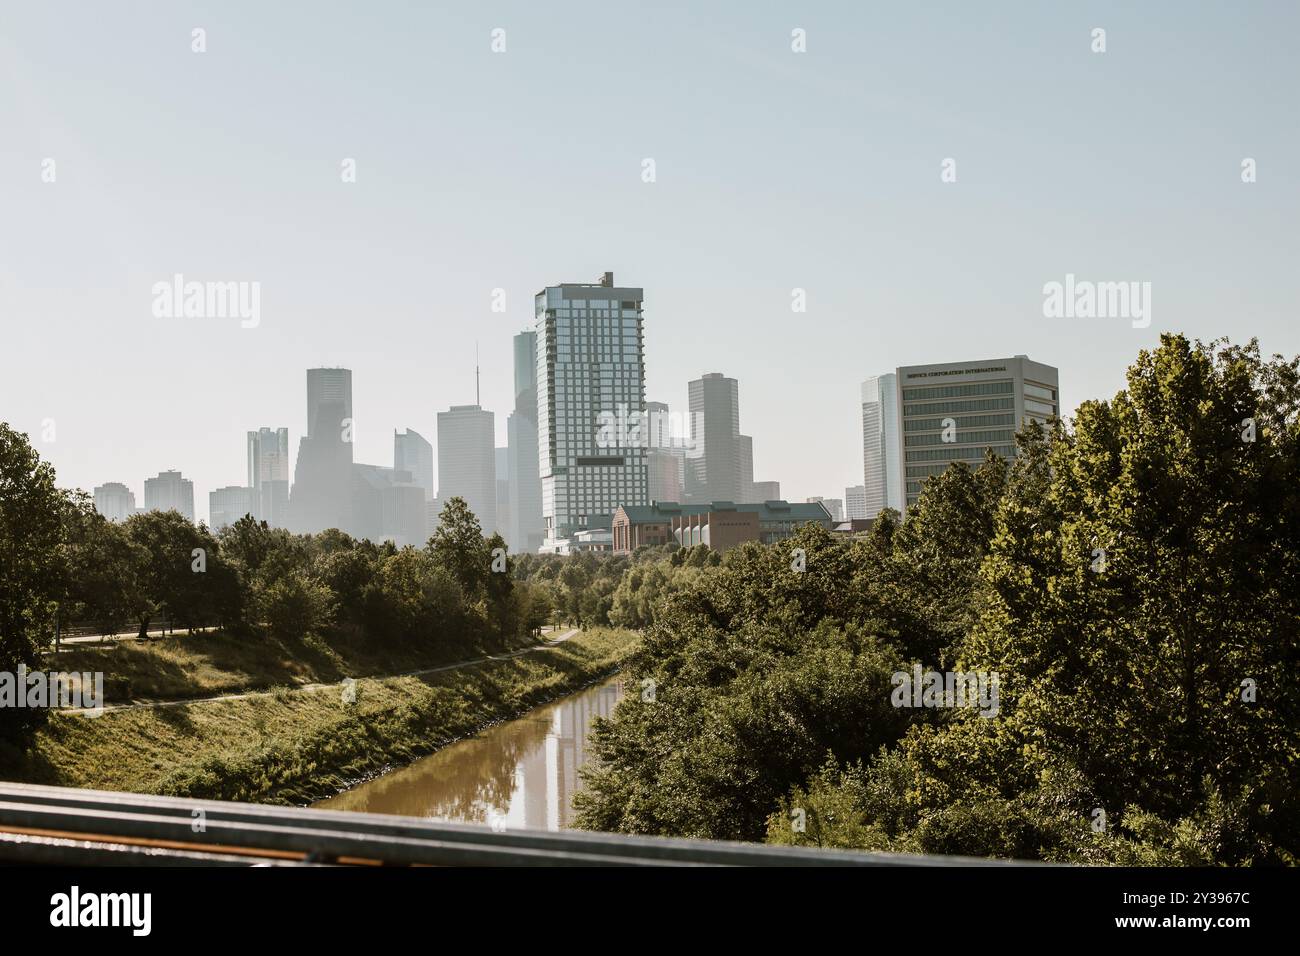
{"x": 59, "y": 825}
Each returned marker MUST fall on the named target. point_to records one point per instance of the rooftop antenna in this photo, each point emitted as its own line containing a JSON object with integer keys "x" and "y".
{"x": 477, "y": 398}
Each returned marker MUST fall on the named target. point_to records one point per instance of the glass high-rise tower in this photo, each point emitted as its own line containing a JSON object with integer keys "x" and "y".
{"x": 882, "y": 474}
{"x": 268, "y": 475}
{"x": 523, "y": 525}
{"x": 590, "y": 404}
{"x": 322, "y": 483}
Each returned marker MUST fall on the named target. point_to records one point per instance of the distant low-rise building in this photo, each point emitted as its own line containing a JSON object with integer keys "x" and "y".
{"x": 761, "y": 491}
{"x": 592, "y": 539}
{"x": 721, "y": 524}
{"x": 853, "y": 527}
{"x": 833, "y": 505}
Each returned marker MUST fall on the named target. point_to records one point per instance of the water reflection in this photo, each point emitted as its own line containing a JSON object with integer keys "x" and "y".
{"x": 520, "y": 774}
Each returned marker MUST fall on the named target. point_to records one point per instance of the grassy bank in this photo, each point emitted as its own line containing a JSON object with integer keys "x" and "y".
{"x": 210, "y": 664}
{"x": 296, "y": 746}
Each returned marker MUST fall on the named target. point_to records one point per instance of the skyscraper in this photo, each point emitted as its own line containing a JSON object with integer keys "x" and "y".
{"x": 745, "y": 461}
{"x": 590, "y": 381}
{"x": 115, "y": 501}
{"x": 413, "y": 454}
{"x": 921, "y": 418}
{"x": 387, "y": 506}
{"x": 881, "y": 453}
{"x": 467, "y": 461}
{"x": 723, "y": 468}
{"x": 666, "y": 455}
{"x": 329, "y": 402}
{"x": 406, "y": 515}
{"x": 524, "y": 527}
{"x": 170, "y": 491}
{"x": 322, "y": 482}
{"x": 855, "y": 503}
{"x": 227, "y": 505}
{"x": 268, "y": 475}
{"x": 503, "y": 491}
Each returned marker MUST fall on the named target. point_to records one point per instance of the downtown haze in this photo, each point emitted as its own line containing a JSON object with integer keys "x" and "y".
{"x": 775, "y": 173}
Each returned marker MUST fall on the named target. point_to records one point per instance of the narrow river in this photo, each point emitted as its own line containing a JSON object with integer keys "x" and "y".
{"x": 520, "y": 774}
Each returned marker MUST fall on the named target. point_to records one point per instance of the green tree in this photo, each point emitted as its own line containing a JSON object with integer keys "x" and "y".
{"x": 349, "y": 574}
{"x": 417, "y": 599}
{"x": 457, "y": 546}
{"x": 636, "y": 600}
{"x": 294, "y": 605}
{"x": 1139, "y": 603}
{"x": 499, "y": 589}
{"x": 103, "y": 568}
{"x": 1151, "y": 585}
{"x": 32, "y": 514}
{"x": 181, "y": 575}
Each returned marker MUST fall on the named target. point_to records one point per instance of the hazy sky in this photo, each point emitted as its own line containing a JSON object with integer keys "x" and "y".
{"x": 477, "y": 170}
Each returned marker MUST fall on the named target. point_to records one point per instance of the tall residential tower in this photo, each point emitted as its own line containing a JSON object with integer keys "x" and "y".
{"x": 591, "y": 394}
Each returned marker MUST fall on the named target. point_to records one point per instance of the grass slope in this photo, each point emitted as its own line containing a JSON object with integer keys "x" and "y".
{"x": 211, "y": 664}
{"x": 296, "y": 746}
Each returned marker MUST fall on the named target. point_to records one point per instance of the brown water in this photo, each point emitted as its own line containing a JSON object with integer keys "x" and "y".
{"x": 518, "y": 775}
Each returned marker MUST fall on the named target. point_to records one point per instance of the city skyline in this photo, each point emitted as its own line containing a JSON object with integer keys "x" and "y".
{"x": 753, "y": 435}
{"x": 471, "y": 467}
{"x": 395, "y": 275}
